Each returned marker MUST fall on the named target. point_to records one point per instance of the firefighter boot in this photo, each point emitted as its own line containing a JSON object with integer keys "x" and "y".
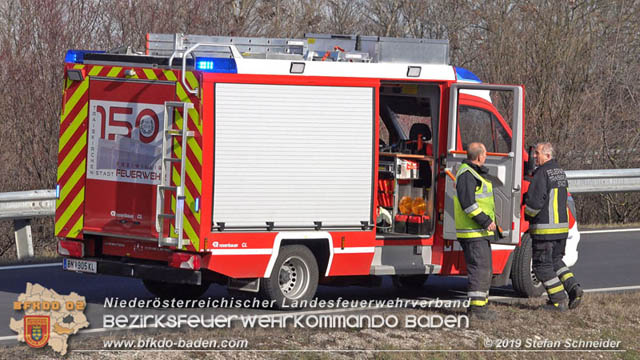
{"x": 575, "y": 296}
{"x": 560, "y": 306}
{"x": 481, "y": 313}
{"x": 571, "y": 284}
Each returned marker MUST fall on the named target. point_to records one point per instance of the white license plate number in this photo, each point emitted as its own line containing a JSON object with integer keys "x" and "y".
{"x": 80, "y": 265}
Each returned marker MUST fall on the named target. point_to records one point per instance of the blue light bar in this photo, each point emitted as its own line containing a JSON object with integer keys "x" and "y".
{"x": 217, "y": 65}
{"x": 57, "y": 191}
{"x": 77, "y": 56}
{"x": 465, "y": 75}
{"x": 197, "y": 206}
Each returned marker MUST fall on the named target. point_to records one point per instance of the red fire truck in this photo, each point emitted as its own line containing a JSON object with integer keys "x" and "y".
{"x": 275, "y": 165}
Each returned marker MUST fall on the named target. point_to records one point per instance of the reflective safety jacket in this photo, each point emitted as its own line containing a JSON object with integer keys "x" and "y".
{"x": 474, "y": 205}
{"x": 546, "y": 203}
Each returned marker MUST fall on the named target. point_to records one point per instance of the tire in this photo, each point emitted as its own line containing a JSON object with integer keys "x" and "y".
{"x": 178, "y": 291}
{"x": 294, "y": 278}
{"x": 409, "y": 282}
{"x": 524, "y": 280}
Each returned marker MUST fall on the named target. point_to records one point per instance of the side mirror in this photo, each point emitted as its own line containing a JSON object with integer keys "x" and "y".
{"x": 530, "y": 165}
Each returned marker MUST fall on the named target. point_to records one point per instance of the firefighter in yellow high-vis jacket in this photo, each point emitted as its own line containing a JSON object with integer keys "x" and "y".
{"x": 474, "y": 214}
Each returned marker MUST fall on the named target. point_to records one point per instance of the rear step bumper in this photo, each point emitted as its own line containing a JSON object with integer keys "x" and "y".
{"x": 161, "y": 273}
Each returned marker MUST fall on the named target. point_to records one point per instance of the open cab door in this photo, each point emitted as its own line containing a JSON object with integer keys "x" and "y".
{"x": 494, "y": 116}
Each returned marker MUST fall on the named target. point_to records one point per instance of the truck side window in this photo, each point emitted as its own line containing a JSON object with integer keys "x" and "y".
{"x": 502, "y": 139}
{"x": 478, "y": 125}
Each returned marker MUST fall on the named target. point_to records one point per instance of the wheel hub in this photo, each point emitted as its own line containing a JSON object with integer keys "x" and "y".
{"x": 293, "y": 277}
{"x": 534, "y": 278}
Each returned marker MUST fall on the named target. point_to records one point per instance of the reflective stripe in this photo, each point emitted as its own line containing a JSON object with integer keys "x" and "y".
{"x": 566, "y": 276}
{"x": 550, "y": 197}
{"x": 479, "y": 302}
{"x": 470, "y": 209}
{"x": 470, "y": 234}
{"x": 551, "y": 282}
{"x": 555, "y": 290}
{"x": 549, "y": 226}
{"x": 485, "y": 190}
{"x": 549, "y": 231}
{"x": 484, "y": 195}
{"x": 556, "y": 214}
{"x": 475, "y": 212}
{"x": 531, "y": 211}
{"x": 482, "y": 294}
{"x": 468, "y": 230}
{"x": 562, "y": 270}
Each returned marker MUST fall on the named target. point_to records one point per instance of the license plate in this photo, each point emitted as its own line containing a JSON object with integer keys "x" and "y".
{"x": 80, "y": 265}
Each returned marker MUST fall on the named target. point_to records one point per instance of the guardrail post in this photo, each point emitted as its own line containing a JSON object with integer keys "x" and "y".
{"x": 24, "y": 241}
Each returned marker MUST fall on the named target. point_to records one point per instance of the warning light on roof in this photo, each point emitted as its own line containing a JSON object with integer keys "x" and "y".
{"x": 205, "y": 65}
{"x": 464, "y": 75}
{"x": 77, "y": 56}
{"x": 217, "y": 65}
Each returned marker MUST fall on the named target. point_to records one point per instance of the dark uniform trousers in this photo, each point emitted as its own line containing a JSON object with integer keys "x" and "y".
{"x": 477, "y": 254}
{"x": 551, "y": 270}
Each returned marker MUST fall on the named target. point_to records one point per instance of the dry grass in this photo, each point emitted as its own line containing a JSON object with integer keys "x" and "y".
{"x": 601, "y": 317}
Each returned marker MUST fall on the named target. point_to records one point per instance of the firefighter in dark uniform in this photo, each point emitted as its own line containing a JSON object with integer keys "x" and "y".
{"x": 547, "y": 212}
{"x": 474, "y": 213}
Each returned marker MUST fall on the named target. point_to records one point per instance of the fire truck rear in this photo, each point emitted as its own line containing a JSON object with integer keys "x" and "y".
{"x": 275, "y": 165}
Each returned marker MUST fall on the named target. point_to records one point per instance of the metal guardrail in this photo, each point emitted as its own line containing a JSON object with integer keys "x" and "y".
{"x": 600, "y": 181}
{"x": 22, "y": 206}
{"x": 27, "y": 204}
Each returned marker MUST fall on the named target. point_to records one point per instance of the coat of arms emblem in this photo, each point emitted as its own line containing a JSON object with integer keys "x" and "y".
{"x": 36, "y": 330}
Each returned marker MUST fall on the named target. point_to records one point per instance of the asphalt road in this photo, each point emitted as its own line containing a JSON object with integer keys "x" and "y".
{"x": 610, "y": 259}
{"x": 606, "y": 260}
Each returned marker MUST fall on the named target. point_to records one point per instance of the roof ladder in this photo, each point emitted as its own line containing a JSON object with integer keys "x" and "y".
{"x": 169, "y": 133}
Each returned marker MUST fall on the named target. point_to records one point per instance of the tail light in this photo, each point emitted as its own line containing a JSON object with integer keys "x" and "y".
{"x": 71, "y": 248}
{"x": 185, "y": 261}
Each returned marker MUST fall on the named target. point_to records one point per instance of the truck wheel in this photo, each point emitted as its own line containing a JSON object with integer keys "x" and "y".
{"x": 408, "y": 282}
{"x": 178, "y": 291}
{"x": 294, "y": 277}
{"x": 524, "y": 280}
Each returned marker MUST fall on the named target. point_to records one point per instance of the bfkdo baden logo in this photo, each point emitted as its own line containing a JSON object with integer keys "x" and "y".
{"x": 49, "y": 318}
